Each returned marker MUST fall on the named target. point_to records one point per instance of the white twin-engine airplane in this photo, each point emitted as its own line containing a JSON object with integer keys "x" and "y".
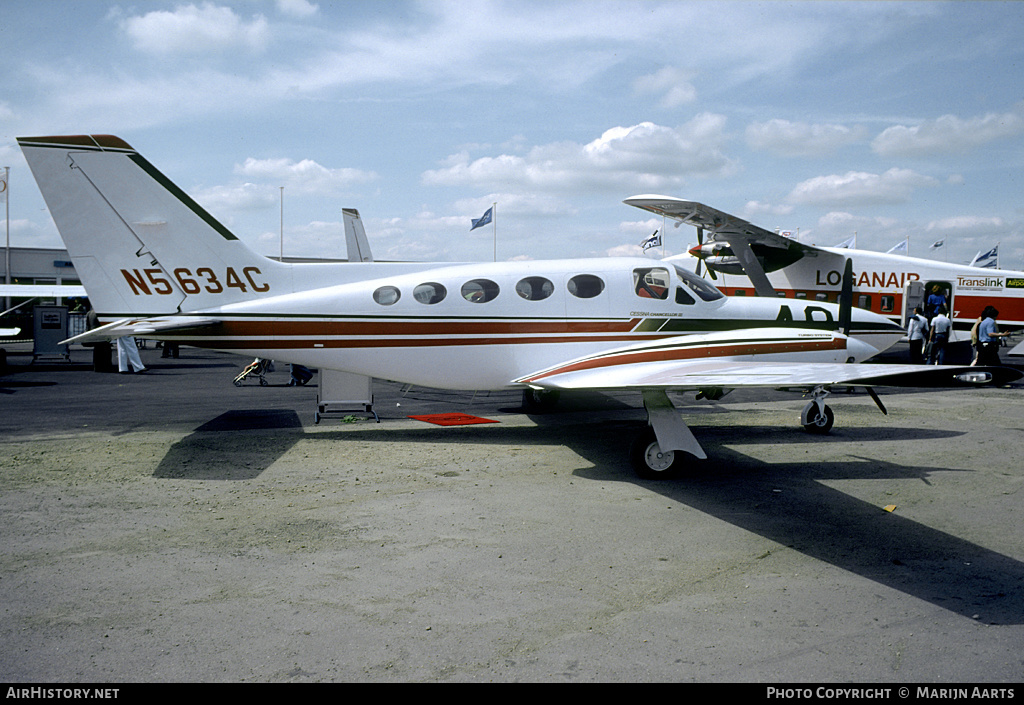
{"x": 156, "y": 265}
{"x": 749, "y": 259}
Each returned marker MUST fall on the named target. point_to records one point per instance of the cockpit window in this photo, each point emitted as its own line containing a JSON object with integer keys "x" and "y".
{"x": 652, "y": 283}
{"x": 699, "y": 286}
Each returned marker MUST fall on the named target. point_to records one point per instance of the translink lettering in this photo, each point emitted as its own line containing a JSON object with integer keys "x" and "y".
{"x": 155, "y": 281}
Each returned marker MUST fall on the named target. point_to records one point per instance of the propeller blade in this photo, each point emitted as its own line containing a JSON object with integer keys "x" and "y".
{"x": 846, "y": 298}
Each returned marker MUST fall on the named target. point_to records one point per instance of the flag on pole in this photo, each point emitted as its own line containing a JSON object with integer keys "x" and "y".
{"x": 850, "y": 244}
{"x": 900, "y": 249}
{"x": 483, "y": 220}
{"x": 937, "y": 244}
{"x": 988, "y": 260}
{"x": 3, "y": 183}
{"x": 653, "y": 241}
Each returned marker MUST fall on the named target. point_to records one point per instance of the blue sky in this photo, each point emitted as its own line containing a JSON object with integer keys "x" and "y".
{"x": 890, "y": 119}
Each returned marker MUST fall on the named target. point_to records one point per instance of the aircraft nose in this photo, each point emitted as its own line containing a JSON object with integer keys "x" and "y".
{"x": 874, "y": 331}
{"x": 697, "y": 251}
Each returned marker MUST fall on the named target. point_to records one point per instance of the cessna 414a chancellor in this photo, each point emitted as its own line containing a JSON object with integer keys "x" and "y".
{"x": 156, "y": 265}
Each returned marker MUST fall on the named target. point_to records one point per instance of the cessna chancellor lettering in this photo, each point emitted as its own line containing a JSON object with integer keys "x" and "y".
{"x": 745, "y": 258}
{"x": 156, "y": 265}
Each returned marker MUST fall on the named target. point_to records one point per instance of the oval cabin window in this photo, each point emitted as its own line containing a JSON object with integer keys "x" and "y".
{"x": 585, "y": 286}
{"x": 479, "y": 291}
{"x": 535, "y": 288}
{"x": 387, "y": 295}
{"x": 429, "y": 293}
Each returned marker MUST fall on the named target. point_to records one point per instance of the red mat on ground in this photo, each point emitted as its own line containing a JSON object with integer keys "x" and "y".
{"x": 455, "y": 419}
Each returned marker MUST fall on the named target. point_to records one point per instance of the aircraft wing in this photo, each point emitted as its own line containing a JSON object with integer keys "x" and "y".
{"x": 140, "y": 327}
{"x": 719, "y": 226}
{"x": 758, "y": 250}
{"x": 687, "y": 363}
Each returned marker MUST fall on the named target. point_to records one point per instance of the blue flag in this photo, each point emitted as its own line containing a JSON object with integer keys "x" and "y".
{"x": 989, "y": 260}
{"x": 483, "y": 220}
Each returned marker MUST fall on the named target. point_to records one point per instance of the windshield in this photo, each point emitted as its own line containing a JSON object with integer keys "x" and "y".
{"x": 700, "y": 287}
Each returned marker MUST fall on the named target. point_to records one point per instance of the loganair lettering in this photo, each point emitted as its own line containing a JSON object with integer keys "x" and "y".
{"x": 880, "y": 280}
{"x": 152, "y": 281}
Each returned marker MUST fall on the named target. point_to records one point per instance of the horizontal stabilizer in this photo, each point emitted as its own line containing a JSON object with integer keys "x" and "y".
{"x": 140, "y": 328}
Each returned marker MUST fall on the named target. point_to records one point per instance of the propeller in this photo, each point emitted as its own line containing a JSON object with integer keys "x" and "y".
{"x": 846, "y": 298}
{"x": 700, "y": 241}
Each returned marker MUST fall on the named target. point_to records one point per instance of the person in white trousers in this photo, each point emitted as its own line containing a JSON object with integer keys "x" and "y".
{"x": 128, "y": 359}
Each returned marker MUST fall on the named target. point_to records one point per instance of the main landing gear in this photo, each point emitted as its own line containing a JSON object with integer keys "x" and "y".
{"x": 817, "y": 416}
{"x": 650, "y": 462}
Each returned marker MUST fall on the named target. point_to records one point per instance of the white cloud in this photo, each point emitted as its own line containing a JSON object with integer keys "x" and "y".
{"x": 672, "y": 83}
{"x": 800, "y": 139}
{"x": 947, "y": 134}
{"x": 860, "y": 188}
{"x": 306, "y": 175}
{"x": 297, "y": 8}
{"x": 641, "y": 157}
{"x": 966, "y": 223}
{"x": 241, "y": 197}
{"x": 193, "y": 30}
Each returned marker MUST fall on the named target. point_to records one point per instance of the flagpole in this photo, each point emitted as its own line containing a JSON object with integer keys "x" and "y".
{"x": 494, "y": 228}
{"x": 7, "y": 249}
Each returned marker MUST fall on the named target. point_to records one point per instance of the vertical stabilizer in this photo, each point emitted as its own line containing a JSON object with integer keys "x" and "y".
{"x": 140, "y": 244}
{"x": 355, "y": 237}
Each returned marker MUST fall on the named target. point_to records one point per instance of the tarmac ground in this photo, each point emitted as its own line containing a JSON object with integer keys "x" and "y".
{"x": 172, "y": 527}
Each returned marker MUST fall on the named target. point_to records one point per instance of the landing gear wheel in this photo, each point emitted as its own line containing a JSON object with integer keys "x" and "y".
{"x": 539, "y": 401}
{"x": 650, "y": 462}
{"x": 816, "y": 421}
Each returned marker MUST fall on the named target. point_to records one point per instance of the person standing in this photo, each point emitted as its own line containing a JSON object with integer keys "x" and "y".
{"x": 988, "y": 337}
{"x": 935, "y": 299}
{"x": 939, "y": 336}
{"x": 128, "y": 359}
{"x": 917, "y": 333}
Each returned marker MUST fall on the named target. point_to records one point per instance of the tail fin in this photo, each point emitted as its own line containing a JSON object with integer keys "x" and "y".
{"x": 355, "y": 237}
{"x": 140, "y": 245}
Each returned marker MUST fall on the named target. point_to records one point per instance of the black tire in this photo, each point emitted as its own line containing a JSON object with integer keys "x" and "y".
{"x": 818, "y": 423}
{"x": 648, "y": 460}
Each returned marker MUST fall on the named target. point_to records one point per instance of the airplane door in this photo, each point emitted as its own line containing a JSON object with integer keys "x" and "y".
{"x": 913, "y": 296}
{"x": 946, "y": 289}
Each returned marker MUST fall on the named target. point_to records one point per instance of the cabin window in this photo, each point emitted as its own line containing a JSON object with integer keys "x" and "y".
{"x": 479, "y": 291}
{"x": 801, "y": 294}
{"x": 585, "y": 286}
{"x": 740, "y": 292}
{"x": 429, "y": 293}
{"x": 864, "y": 301}
{"x": 534, "y": 288}
{"x": 651, "y": 283}
{"x": 888, "y": 304}
{"x": 821, "y": 296}
{"x": 387, "y": 295}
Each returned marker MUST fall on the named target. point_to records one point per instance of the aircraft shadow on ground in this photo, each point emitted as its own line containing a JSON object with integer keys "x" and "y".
{"x": 237, "y": 445}
{"x": 789, "y": 505}
{"x": 786, "y": 503}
